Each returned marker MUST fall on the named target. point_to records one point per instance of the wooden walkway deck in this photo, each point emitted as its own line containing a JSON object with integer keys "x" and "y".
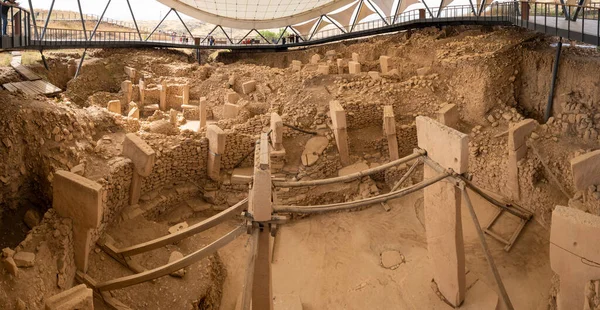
{"x": 34, "y": 85}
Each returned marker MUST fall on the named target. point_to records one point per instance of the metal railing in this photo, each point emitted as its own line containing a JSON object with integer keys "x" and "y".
{"x": 18, "y": 29}
{"x": 570, "y": 21}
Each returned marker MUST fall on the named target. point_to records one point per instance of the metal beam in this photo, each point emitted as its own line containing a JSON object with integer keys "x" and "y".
{"x": 80, "y": 63}
{"x": 333, "y": 22}
{"x": 134, "y": 20}
{"x": 151, "y": 33}
{"x": 184, "y": 25}
{"x": 481, "y": 7}
{"x": 565, "y": 9}
{"x": 472, "y": 7}
{"x": 82, "y": 20}
{"x": 376, "y": 11}
{"x": 208, "y": 35}
{"x": 548, "y": 112}
{"x": 579, "y": 5}
{"x": 316, "y": 27}
{"x": 34, "y": 21}
{"x": 428, "y": 9}
{"x": 356, "y": 15}
{"x": 47, "y": 21}
{"x": 282, "y": 33}
{"x": 99, "y": 21}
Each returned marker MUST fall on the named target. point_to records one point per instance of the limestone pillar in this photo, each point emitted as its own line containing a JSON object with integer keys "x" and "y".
{"x": 143, "y": 158}
{"x": 142, "y": 86}
{"x": 216, "y": 147}
{"x": 232, "y": 97}
{"x": 315, "y": 59}
{"x": 340, "y": 65}
{"x": 163, "y": 96}
{"x": 449, "y": 116}
{"x": 278, "y": 152}
{"x": 389, "y": 129}
{"x": 384, "y": 62}
{"x": 574, "y": 253}
{"x": 114, "y": 106}
{"x": 79, "y": 199}
{"x": 186, "y": 94}
{"x": 202, "y": 111}
{"x": 355, "y": 57}
{"x": 339, "y": 126}
{"x": 586, "y": 170}
{"x": 131, "y": 73}
{"x": 323, "y": 69}
{"x": 450, "y": 149}
{"x": 260, "y": 206}
{"x": 353, "y": 67}
{"x": 517, "y": 150}
{"x": 173, "y": 117}
{"x": 127, "y": 89}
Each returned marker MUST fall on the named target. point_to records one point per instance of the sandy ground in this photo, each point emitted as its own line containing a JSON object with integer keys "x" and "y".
{"x": 333, "y": 261}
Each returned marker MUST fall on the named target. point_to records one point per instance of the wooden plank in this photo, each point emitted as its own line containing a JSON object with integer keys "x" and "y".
{"x": 23, "y": 87}
{"x": 11, "y": 88}
{"x": 171, "y": 267}
{"x": 182, "y": 234}
{"x": 25, "y": 72}
{"x": 46, "y": 88}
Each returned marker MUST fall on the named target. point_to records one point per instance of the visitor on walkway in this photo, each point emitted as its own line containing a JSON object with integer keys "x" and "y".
{"x": 6, "y": 4}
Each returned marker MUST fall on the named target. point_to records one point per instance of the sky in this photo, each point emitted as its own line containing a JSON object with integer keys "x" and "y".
{"x": 143, "y": 9}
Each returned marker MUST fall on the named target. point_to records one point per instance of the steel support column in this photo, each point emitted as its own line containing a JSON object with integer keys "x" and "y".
{"x": 340, "y": 28}
{"x": 90, "y": 39}
{"x": 34, "y": 21}
{"x": 184, "y": 25}
{"x": 548, "y": 112}
{"x": 155, "y": 28}
{"x": 565, "y": 9}
{"x": 376, "y": 11}
{"x": 481, "y": 7}
{"x": 134, "y": 21}
{"x": 47, "y": 21}
{"x": 579, "y": 4}
{"x": 356, "y": 16}
{"x": 82, "y": 20}
{"x": 316, "y": 27}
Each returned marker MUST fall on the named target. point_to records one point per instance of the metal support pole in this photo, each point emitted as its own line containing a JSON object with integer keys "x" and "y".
{"x": 80, "y": 63}
{"x": 428, "y": 9}
{"x": 316, "y": 27}
{"x": 356, "y": 16}
{"x": 381, "y": 16}
{"x": 579, "y": 5}
{"x": 298, "y": 34}
{"x": 282, "y": 34}
{"x": 226, "y": 35}
{"x": 565, "y": 10}
{"x": 481, "y": 7}
{"x": 47, "y": 21}
{"x": 472, "y": 7}
{"x": 208, "y": 35}
{"x": 260, "y": 34}
{"x": 34, "y": 21}
{"x": 548, "y": 112}
{"x": 134, "y": 20}
{"x": 82, "y": 20}
{"x": 247, "y": 34}
{"x": 486, "y": 251}
{"x": 44, "y": 60}
{"x": 184, "y": 25}
{"x": 98, "y": 24}
{"x": 151, "y": 33}
{"x": 340, "y": 28}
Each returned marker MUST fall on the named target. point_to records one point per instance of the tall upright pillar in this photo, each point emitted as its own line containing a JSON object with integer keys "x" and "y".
{"x": 278, "y": 152}
{"x": 517, "y": 150}
{"x": 202, "y": 111}
{"x": 574, "y": 254}
{"x": 143, "y": 157}
{"x": 260, "y": 207}
{"x": 389, "y": 129}
{"x": 450, "y": 149}
{"x": 79, "y": 199}
{"x": 163, "y": 95}
{"x": 339, "y": 124}
{"x": 127, "y": 89}
{"x": 384, "y": 62}
{"x": 185, "y": 96}
{"x": 216, "y": 147}
{"x": 142, "y": 86}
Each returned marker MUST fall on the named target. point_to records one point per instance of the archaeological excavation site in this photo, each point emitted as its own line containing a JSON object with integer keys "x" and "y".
{"x": 446, "y": 157}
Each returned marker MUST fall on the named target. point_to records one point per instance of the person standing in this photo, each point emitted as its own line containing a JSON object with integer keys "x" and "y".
{"x": 6, "y": 4}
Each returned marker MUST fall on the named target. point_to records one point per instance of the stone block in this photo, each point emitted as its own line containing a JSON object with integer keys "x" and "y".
{"x": 586, "y": 170}
{"x": 445, "y": 246}
{"x": 260, "y": 198}
{"x": 142, "y": 87}
{"x": 444, "y": 145}
{"x": 135, "y": 188}
{"x": 131, "y": 73}
{"x": 24, "y": 259}
{"x": 77, "y": 198}
{"x": 341, "y": 63}
{"x": 77, "y": 298}
{"x": 185, "y": 96}
{"x": 173, "y": 117}
{"x": 276, "y": 131}
{"x": 114, "y": 106}
{"x": 249, "y": 87}
{"x": 230, "y": 110}
{"x": 202, "y": 110}
{"x": 127, "y": 89}
{"x": 163, "y": 96}
{"x": 449, "y": 116}
{"x": 232, "y": 97}
{"x": 384, "y": 62}
{"x": 242, "y": 176}
{"x": 337, "y": 114}
{"x": 389, "y": 120}
{"x": 214, "y": 166}
{"x": 315, "y": 59}
{"x": 134, "y": 113}
{"x": 354, "y": 67}
{"x": 323, "y": 69}
{"x": 287, "y": 302}
{"x": 375, "y": 75}
{"x": 296, "y": 67}
{"x": 573, "y": 248}
{"x": 519, "y": 133}
{"x": 216, "y": 139}
{"x": 141, "y": 154}
{"x": 10, "y": 266}
{"x": 355, "y": 57}
{"x": 175, "y": 256}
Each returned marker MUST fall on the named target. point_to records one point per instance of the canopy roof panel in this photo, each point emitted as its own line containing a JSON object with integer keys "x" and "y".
{"x": 259, "y": 14}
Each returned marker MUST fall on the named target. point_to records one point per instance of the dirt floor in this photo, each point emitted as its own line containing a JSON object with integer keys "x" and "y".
{"x": 495, "y": 76}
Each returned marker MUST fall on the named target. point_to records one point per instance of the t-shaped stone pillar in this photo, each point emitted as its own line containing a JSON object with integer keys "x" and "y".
{"x": 586, "y": 170}
{"x": 384, "y": 62}
{"x": 338, "y": 120}
{"x": 142, "y": 86}
{"x": 517, "y": 150}
{"x": 79, "y": 199}
{"x": 216, "y": 147}
{"x": 202, "y": 112}
{"x": 127, "y": 89}
{"x": 276, "y": 131}
{"x": 260, "y": 207}
{"x": 574, "y": 254}
{"x": 389, "y": 129}
{"x": 163, "y": 96}
{"x": 185, "y": 96}
{"x": 143, "y": 158}
{"x": 450, "y": 149}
